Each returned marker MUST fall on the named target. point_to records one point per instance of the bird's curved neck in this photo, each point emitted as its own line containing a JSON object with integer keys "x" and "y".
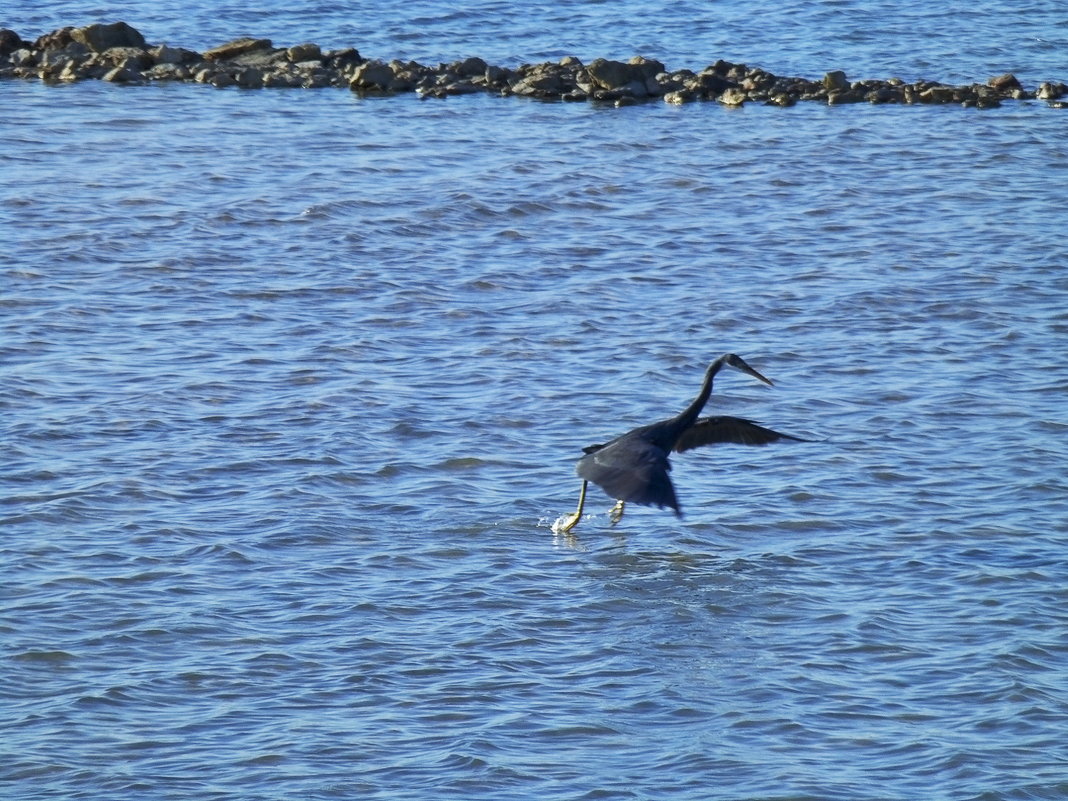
{"x": 686, "y": 418}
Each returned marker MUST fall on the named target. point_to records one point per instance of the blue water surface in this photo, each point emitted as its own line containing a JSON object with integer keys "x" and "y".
{"x": 294, "y": 383}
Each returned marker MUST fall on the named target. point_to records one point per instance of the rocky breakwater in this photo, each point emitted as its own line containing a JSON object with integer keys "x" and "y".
{"x": 119, "y": 53}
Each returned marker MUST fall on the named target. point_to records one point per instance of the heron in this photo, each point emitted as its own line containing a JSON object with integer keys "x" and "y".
{"x": 633, "y": 467}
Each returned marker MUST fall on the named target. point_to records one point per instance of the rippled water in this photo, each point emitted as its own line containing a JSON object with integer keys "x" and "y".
{"x": 294, "y": 383}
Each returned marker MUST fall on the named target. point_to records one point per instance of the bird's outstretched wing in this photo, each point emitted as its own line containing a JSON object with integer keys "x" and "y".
{"x": 631, "y": 469}
{"x": 710, "y": 430}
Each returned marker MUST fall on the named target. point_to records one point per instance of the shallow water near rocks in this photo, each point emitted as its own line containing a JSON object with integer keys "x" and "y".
{"x": 294, "y": 383}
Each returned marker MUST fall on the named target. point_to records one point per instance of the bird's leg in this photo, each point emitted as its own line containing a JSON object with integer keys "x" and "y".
{"x": 573, "y": 520}
{"x": 616, "y": 514}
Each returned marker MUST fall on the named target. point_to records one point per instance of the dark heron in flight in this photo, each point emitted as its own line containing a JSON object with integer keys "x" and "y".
{"x": 634, "y": 467}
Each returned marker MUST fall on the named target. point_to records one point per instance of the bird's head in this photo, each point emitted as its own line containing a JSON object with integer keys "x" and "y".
{"x": 738, "y": 363}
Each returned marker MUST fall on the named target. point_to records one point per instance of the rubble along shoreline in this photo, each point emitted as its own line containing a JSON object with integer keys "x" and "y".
{"x": 118, "y": 53}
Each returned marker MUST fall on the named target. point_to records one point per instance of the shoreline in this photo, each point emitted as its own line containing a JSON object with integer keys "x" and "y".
{"x": 118, "y": 53}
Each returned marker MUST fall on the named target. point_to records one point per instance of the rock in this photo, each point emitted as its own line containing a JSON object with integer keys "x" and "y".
{"x": 56, "y": 40}
{"x": 343, "y": 60}
{"x": 73, "y": 50}
{"x": 839, "y": 97}
{"x": 165, "y": 54}
{"x": 496, "y": 76}
{"x": 408, "y": 75}
{"x": 1051, "y": 91}
{"x": 73, "y": 71}
{"x": 549, "y": 80}
{"x": 732, "y": 97}
{"x": 9, "y": 42}
{"x": 679, "y": 97}
{"x": 469, "y": 67}
{"x": 782, "y": 99}
{"x": 130, "y": 57}
{"x": 167, "y": 72}
{"x": 835, "y": 81}
{"x": 23, "y": 57}
{"x": 122, "y": 75}
{"x": 99, "y": 37}
{"x": 373, "y": 75}
{"x": 222, "y": 80}
{"x": 237, "y": 47}
{"x": 883, "y": 94}
{"x": 304, "y": 52}
{"x": 1004, "y": 82}
{"x": 539, "y": 86}
{"x": 461, "y": 87}
{"x": 937, "y": 94}
{"x": 607, "y": 74}
{"x": 710, "y": 83}
{"x": 249, "y": 78}
{"x": 644, "y": 68}
{"x": 117, "y": 53}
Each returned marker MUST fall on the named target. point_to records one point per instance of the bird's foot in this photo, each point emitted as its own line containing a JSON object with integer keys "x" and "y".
{"x": 616, "y": 514}
{"x": 568, "y": 523}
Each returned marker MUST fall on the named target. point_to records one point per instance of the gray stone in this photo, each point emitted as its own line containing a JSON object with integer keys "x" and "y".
{"x": 99, "y": 37}
{"x": 835, "y": 81}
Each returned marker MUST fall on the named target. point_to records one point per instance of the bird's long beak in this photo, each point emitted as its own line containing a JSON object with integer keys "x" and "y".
{"x": 757, "y": 375}
{"x": 738, "y": 363}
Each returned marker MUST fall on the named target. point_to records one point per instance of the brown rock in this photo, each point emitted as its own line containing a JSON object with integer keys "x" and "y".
{"x": 56, "y": 40}
{"x": 235, "y": 48}
{"x": 99, "y": 37}
{"x": 122, "y": 75}
{"x": 304, "y": 52}
{"x": 1005, "y": 82}
{"x": 606, "y": 74}
{"x": 732, "y": 97}
{"x": 372, "y": 75}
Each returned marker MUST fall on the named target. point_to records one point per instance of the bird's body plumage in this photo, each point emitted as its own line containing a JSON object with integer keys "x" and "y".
{"x": 634, "y": 467}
